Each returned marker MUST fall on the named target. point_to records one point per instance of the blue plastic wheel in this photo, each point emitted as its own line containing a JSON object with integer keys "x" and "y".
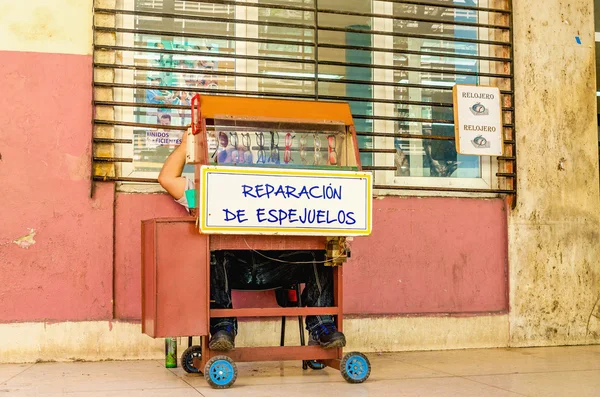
{"x": 355, "y": 367}
{"x": 220, "y": 372}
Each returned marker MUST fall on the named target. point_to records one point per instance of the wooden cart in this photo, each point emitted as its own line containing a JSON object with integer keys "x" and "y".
{"x": 182, "y": 246}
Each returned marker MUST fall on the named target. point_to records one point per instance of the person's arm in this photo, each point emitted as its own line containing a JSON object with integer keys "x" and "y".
{"x": 170, "y": 175}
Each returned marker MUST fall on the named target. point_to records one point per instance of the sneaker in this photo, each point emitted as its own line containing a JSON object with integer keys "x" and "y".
{"x": 222, "y": 340}
{"x": 328, "y": 336}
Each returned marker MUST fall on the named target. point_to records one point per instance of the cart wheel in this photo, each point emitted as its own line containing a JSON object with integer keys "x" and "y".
{"x": 187, "y": 359}
{"x": 355, "y": 367}
{"x": 220, "y": 372}
{"x": 314, "y": 364}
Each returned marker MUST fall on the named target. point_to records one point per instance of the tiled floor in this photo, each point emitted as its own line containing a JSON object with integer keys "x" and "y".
{"x": 559, "y": 371}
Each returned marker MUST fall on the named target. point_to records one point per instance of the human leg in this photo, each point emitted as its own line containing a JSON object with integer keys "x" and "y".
{"x": 319, "y": 293}
{"x": 222, "y": 330}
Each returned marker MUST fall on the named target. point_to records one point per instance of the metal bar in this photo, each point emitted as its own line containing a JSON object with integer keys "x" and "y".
{"x": 322, "y": 97}
{"x": 301, "y": 323}
{"x": 199, "y": 72}
{"x": 514, "y": 184}
{"x": 141, "y": 105}
{"x": 400, "y": 85}
{"x": 506, "y": 174}
{"x": 442, "y": 189}
{"x": 202, "y": 91}
{"x": 113, "y": 159}
{"x": 202, "y": 36}
{"x": 506, "y": 158}
{"x": 199, "y": 18}
{"x": 410, "y": 136}
{"x": 356, "y": 116}
{"x": 274, "y": 312}
{"x": 379, "y": 168}
{"x": 145, "y": 125}
{"x": 99, "y": 178}
{"x": 415, "y": 52}
{"x": 112, "y": 140}
{"x": 310, "y": 9}
{"x": 416, "y": 36}
{"x": 278, "y": 77}
{"x": 412, "y": 69}
{"x": 257, "y": 5}
{"x": 415, "y": 19}
{"x": 377, "y": 150}
{"x": 277, "y": 353}
{"x": 410, "y": 119}
{"x": 449, "y": 5}
{"x": 282, "y": 341}
{"x": 249, "y": 93}
{"x": 396, "y": 102}
{"x": 400, "y": 119}
{"x": 203, "y": 54}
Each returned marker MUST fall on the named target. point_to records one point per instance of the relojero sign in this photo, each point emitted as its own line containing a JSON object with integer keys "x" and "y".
{"x": 478, "y": 120}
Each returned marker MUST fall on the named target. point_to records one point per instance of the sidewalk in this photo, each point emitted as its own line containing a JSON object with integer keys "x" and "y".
{"x": 558, "y": 371}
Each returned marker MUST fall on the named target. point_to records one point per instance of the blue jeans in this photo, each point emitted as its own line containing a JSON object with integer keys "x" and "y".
{"x": 263, "y": 270}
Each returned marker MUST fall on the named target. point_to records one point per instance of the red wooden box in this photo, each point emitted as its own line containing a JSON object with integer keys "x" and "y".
{"x": 175, "y": 297}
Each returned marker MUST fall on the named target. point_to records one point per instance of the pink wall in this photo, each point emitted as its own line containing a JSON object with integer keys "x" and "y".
{"x": 45, "y": 146}
{"x": 426, "y": 255}
{"x": 430, "y": 255}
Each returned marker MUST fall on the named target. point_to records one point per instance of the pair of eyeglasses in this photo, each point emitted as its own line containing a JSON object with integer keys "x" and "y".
{"x": 247, "y": 142}
{"x": 303, "y": 149}
{"x": 235, "y": 154}
{"x": 260, "y": 140}
{"x": 332, "y": 154}
{"x": 275, "y": 147}
{"x": 234, "y": 139}
{"x": 223, "y": 141}
{"x": 287, "y": 155}
{"x": 317, "y": 141}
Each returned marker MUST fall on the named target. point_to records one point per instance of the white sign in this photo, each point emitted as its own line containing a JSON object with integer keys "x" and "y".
{"x": 478, "y": 120}
{"x": 156, "y": 138}
{"x": 277, "y": 201}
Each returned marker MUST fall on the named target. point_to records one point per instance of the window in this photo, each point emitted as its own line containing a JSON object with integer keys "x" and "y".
{"x": 394, "y": 61}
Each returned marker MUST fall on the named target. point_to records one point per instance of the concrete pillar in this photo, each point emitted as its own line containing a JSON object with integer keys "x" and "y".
{"x": 554, "y": 244}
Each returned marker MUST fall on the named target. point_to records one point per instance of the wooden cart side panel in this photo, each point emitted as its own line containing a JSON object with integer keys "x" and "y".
{"x": 182, "y": 257}
{"x": 148, "y": 277}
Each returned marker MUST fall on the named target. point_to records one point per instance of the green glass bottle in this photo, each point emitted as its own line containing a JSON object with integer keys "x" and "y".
{"x": 171, "y": 352}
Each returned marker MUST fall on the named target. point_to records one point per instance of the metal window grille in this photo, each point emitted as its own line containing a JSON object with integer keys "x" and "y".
{"x": 394, "y": 61}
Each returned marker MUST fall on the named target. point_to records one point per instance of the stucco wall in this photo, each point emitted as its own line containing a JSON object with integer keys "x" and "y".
{"x": 55, "y": 241}
{"x": 426, "y": 255}
{"x": 554, "y": 245}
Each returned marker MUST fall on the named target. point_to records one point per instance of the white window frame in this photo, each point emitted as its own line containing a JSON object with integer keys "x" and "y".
{"x": 488, "y": 167}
